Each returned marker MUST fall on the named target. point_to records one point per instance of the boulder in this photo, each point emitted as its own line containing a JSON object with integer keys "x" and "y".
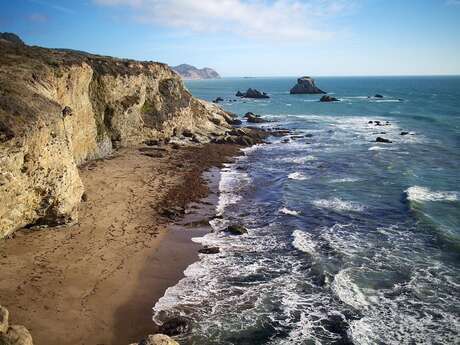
{"x": 378, "y": 96}
{"x": 252, "y": 93}
{"x": 16, "y": 335}
{"x": 3, "y": 319}
{"x": 327, "y": 98}
{"x": 306, "y": 85}
{"x": 253, "y": 118}
{"x": 236, "y": 229}
{"x": 209, "y": 250}
{"x": 175, "y": 326}
{"x": 382, "y": 140}
{"x": 157, "y": 339}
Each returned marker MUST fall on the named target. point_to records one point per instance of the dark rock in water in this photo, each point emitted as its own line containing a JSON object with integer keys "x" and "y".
{"x": 256, "y": 119}
{"x": 175, "y": 326}
{"x": 218, "y": 99}
{"x": 378, "y": 96}
{"x": 382, "y": 140}
{"x": 234, "y": 122}
{"x": 285, "y": 141}
{"x": 252, "y": 93}
{"x": 305, "y": 85}
{"x": 371, "y": 122}
{"x": 209, "y": 250}
{"x": 404, "y": 133}
{"x": 308, "y": 135}
{"x": 253, "y": 118}
{"x": 236, "y": 229}
{"x": 327, "y": 98}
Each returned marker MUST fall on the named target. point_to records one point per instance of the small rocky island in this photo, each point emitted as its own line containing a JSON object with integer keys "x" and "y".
{"x": 306, "y": 85}
{"x": 252, "y": 93}
{"x": 193, "y": 73}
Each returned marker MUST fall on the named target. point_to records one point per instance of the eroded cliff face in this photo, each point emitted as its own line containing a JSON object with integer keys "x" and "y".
{"x": 59, "y": 109}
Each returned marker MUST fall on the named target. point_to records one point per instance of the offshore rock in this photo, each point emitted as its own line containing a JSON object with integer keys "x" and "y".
{"x": 62, "y": 108}
{"x": 327, "y": 98}
{"x": 306, "y": 85}
{"x": 175, "y": 326}
{"x": 236, "y": 229}
{"x": 252, "y": 93}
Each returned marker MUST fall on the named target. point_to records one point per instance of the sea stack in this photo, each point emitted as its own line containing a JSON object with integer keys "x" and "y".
{"x": 306, "y": 85}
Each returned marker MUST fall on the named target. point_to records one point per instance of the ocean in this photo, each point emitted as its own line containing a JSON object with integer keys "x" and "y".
{"x": 350, "y": 241}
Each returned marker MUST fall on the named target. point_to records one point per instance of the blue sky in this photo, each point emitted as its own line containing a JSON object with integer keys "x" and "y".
{"x": 253, "y": 37}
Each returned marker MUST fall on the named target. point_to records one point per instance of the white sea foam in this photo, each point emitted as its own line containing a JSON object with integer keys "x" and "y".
{"x": 379, "y": 148}
{"x": 348, "y": 292}
{"x": 339, "y": 205}
{"x": 345, "y": 179}
{"x": 417, "y": 193}
{"x": 289, "y": 212}
{"x": 304, "y": 242}
{"x": 302, "y": 160}
{"x": 298, "y": 176}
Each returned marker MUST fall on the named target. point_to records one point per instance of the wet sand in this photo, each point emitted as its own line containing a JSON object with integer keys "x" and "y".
{"x": 96, "y": 282}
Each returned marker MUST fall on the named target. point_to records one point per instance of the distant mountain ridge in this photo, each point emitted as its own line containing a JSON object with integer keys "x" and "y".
{"x": 191, "y": 72}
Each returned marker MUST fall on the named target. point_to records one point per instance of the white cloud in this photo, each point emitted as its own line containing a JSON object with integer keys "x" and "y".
{"x": 276, "y": 19}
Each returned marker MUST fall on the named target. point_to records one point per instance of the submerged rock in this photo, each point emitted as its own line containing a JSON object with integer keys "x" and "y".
{"x": 306, "y": 85}
{"x": 327, "y": 98}
{"x": 378, "y": 96}
{"x": 209, "y": 250}
{"x": 236, "y": 229}
{"x": 404, "y": 133}
{"x": 218, "y": 99}
{"x": 382, "y": 140}
{"x": 175, "y": 326}
{"x": 253, "y": 118}
{"x": 252, "y": 93}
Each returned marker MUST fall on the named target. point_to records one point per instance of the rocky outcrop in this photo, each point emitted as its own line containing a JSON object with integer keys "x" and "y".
{"x": 236, "y": 229}
{"x": 306, "y": 85}
{"x": 327, "y": 98}
{"x": 157, "y": 339}
{"x": 12, "y": 334}
{"x": 191, "y": 72}
{"x": 252, "y": 93}
{"x": 59, "y": 109}
{"x": 253, "y": 118}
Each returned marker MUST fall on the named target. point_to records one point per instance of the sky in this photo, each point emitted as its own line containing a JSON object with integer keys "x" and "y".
{"x": 253, "y": 37}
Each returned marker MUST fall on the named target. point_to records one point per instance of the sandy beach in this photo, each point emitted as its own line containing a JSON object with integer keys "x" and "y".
{"x": 96, "y": 282}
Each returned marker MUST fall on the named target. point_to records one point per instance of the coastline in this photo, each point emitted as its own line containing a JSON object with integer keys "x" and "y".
{"x": 96, "y": 282}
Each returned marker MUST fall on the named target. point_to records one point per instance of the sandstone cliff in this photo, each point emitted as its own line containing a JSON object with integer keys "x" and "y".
{"x": 59, "y": 109}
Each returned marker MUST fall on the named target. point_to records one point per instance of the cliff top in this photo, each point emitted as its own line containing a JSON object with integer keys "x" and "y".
{"x": 16, "y": 52}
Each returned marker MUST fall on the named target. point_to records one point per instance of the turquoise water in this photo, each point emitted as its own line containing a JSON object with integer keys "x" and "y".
{"x": 350, "y": 241}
